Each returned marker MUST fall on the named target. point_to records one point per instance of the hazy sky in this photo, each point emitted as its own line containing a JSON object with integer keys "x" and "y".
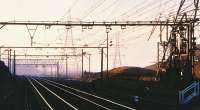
{"x": 135, "y": 50}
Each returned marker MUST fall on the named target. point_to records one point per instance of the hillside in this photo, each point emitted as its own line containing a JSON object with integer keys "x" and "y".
{"x": 136, "y": 73}
{"x": 153, "y": 67}
{"x": 125, "y": 72}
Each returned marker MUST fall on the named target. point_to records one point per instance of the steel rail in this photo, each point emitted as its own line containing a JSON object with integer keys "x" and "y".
{"x": 66, "y": 91}
{"x": 45, "y": 101}
{"x": 55, "y": 95}
{"x": 107, "y": 100}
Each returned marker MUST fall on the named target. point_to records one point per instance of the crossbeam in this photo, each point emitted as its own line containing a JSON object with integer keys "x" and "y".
{"x": 14, "y": 47}
{"x": 41, "y": 59}
{"x": 37, "y": 64}
{"x": 43, "y": 55}
{"x": 93, "y": 23}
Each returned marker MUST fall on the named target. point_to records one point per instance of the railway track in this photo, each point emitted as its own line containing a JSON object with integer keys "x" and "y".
{"x": 51, "y": 99}
{"x": 57, "y": 96}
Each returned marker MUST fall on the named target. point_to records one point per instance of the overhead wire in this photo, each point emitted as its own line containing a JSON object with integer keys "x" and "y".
{"x": 69, "y": 10}
{"x": 92, "y": 9}
{"x": 163, "y": 28}
{"x": 136, "y": 8}
{"x": 106, "y": 8}
{"x": 159, "y": 4}
{"x": 149, "y": 9}
{"x": 150, "y": 3}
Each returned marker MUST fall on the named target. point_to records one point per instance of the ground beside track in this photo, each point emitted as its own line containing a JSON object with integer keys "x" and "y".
{"x": 122, "y": 91}
{"x": 13, "y": 93}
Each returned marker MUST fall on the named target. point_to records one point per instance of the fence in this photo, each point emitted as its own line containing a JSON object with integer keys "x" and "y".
{"x": 187, "y": 94}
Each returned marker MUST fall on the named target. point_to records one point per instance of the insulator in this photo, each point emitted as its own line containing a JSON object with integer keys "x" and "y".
{"x": 84, "y": 27}
{"x": 90, "y": 27}
{"x": 68, "y": 27}
{"x": 108, "y": 28}
{"x": 47, "y": 26}
{"x": 123, "y": 27}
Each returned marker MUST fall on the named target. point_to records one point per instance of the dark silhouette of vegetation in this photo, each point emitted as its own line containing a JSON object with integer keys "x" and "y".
{"x": 4, "y": 73}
